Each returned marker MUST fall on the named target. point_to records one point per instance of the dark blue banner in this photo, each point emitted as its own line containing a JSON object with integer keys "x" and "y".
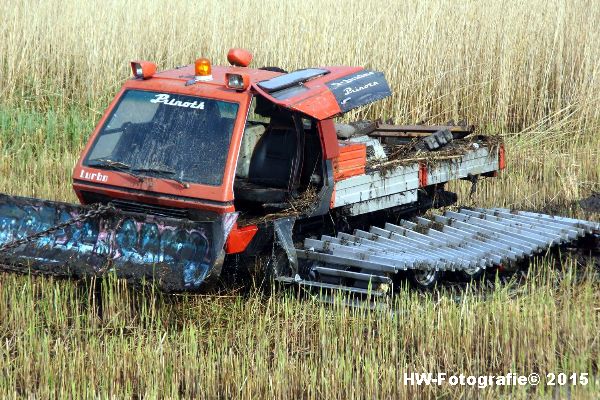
{"x": 358, "y": 89}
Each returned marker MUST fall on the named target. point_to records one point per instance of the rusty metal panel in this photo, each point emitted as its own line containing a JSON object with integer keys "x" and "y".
{"x": 473, "y": 162}
{"x": 381, "y": 190}
{"x": 383, "y": 202}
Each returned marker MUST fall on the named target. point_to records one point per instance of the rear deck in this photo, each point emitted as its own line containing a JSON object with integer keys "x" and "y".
{"x": 394, "y": 179}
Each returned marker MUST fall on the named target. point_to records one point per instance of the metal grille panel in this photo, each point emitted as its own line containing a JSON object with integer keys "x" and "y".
{"x": 463, "y": 240}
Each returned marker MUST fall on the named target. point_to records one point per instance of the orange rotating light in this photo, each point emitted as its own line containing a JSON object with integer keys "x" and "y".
{"x": 202, "y": 69}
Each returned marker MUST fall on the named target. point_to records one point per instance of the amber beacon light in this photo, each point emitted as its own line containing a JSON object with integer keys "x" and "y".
{"x": 202, "y": 69}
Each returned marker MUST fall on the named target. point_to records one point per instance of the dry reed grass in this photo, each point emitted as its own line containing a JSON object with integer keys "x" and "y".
{"x": 145, "y": 345}
{"x": 526, "y": 70}
{"x": 507, "y": 64}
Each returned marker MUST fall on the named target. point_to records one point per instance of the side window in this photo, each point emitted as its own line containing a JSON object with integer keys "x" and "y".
{"x": 254, "y": 116}
{"x": 308, "y": 124}
{"x": 255, "y": 128}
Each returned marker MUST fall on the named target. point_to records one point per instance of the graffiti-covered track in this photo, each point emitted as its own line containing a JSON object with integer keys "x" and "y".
{"x": 174, "y": 253}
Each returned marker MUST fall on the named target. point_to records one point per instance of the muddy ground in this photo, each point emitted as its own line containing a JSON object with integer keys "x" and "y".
{"x": 591, "y": 203}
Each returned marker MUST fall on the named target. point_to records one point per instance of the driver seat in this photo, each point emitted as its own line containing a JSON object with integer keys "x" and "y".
{"x": 273, "y": 166}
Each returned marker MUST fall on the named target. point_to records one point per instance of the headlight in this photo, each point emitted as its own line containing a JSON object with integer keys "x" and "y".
{"x": 143, "y": 69}
{"x": 237, "y": 81}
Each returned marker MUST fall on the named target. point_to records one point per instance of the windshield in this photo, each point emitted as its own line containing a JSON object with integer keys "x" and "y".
{"x": 169, "y": 136}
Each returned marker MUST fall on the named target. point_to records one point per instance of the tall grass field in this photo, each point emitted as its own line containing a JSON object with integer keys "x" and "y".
{"x": 528, "y": 71}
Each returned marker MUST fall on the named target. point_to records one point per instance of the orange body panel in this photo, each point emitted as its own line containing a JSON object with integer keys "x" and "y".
{"x": 317, "y": 102}
{"x": 170, "y": 193}
{"x": 423, "y": 173}
{"x": 350, "y": 162}
{"x": 329, "y": 140}
{"x": 240, "y": 238}
{"x": 152, "y": 197}
{"x": 501, "y": 156}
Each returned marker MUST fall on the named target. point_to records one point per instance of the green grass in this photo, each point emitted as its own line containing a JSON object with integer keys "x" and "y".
{"x": 38, "y": 150}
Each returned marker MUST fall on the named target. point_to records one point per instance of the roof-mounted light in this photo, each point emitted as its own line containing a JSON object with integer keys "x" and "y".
{"x": 239, "y": 57}
{"x": 202, "y": 69}
{"x": 143, "y": 69}
{"x": 238, "y": 82}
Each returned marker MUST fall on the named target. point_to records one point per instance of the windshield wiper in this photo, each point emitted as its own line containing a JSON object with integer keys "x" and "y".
{"x": 164, "y": 172}
{"x": 116, "y": 165}
{"x": 106, "y": 162}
